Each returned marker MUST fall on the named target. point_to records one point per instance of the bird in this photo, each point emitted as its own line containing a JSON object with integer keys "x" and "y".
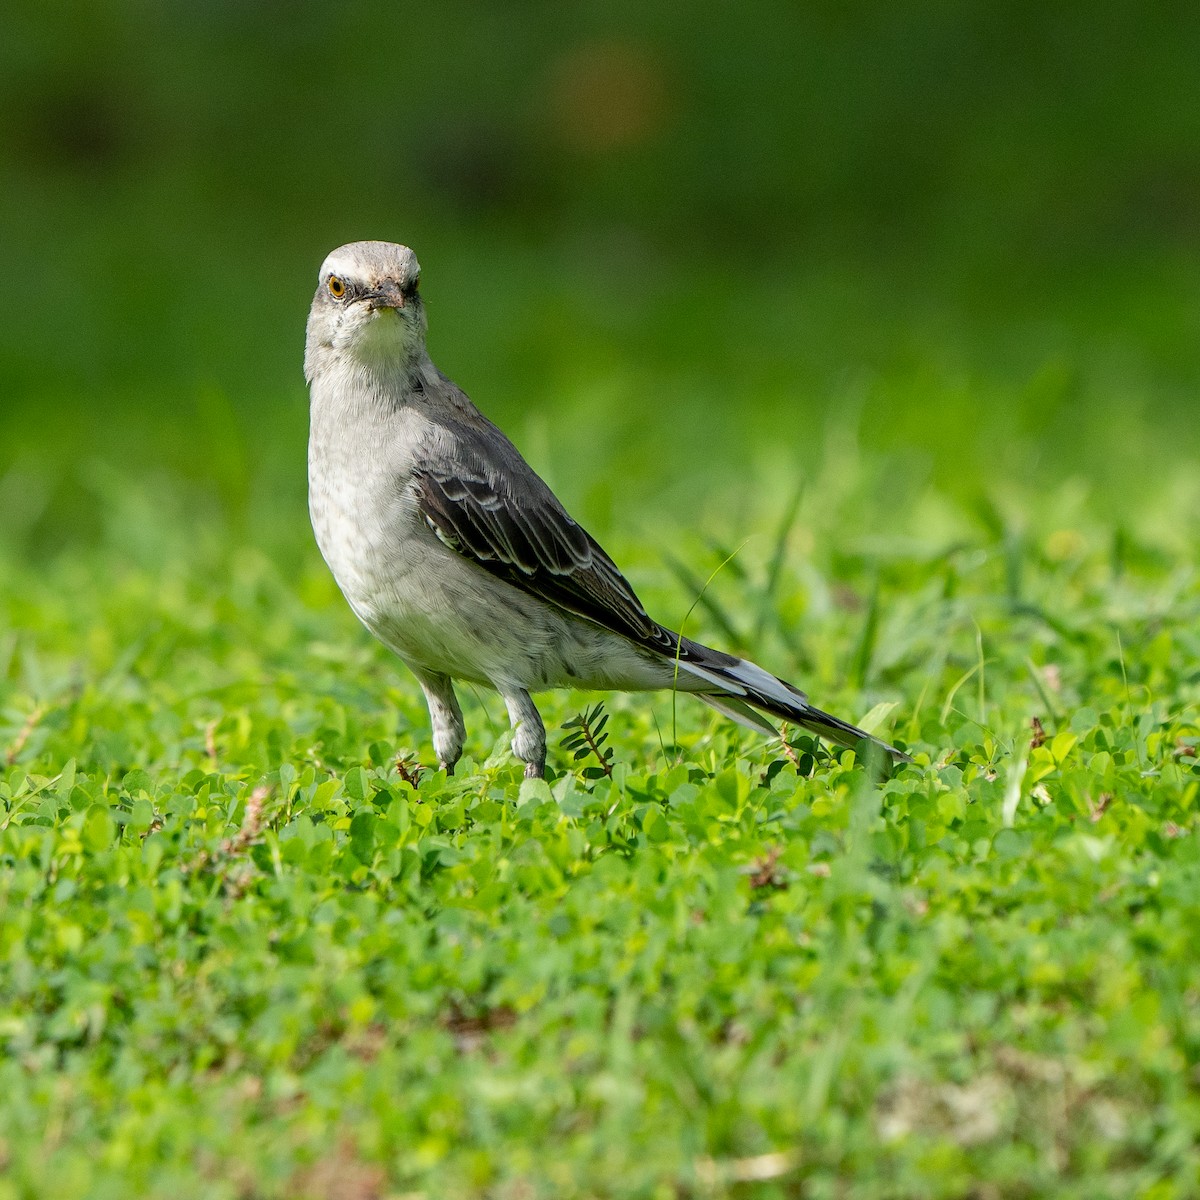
{"x": 458, "y": 557}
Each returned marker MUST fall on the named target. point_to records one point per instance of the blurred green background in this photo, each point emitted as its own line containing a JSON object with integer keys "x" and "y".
{"x": 672, "y": 251}
{"x": 887, "y": 315}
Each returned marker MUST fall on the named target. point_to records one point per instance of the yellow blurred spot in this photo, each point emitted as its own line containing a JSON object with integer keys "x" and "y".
{"x": 1063, "y": 544}
{"x": 608, "y": 95}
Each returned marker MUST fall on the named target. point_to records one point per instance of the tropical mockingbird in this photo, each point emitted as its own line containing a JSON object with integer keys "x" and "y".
{"x": 457, "y": 556}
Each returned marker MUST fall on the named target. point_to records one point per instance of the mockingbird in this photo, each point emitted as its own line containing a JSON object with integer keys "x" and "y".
{"x": 457, "y": 556}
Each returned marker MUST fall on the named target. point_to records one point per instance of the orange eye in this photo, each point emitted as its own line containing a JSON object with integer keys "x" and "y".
{"x": 337, "y": 289}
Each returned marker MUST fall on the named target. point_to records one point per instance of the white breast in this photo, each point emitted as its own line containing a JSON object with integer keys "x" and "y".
{"x": 431, "y": 606}
{"x": 363, "y": 513}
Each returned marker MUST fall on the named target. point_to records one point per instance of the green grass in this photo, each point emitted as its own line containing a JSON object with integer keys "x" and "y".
{"x": 243, "y": 957}
{"x": 888, "y": 330}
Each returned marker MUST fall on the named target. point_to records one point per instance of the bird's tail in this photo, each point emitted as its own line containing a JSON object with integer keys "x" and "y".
{"x": 743, "y": 691}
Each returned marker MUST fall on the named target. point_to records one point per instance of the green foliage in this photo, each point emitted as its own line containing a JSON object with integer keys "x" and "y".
{"x": 586, "y": 738}
{"x": 865, "y": 338}
{"x": 243, "y": 955}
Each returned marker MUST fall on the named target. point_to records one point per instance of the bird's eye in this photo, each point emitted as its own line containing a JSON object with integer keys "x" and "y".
{"x": 337, "y": 289}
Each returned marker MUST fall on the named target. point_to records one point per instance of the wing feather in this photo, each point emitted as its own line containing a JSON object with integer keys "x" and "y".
{"x": 533, "y": 543}
{"x": 494, "y": 511}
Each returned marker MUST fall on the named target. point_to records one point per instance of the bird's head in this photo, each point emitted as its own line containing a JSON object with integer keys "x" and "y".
{"x": 367, "y": 307}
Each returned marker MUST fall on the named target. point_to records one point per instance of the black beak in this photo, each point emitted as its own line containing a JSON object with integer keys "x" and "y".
{"x": 387, "y": 295}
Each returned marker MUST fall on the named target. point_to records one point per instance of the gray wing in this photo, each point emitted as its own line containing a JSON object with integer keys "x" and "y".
{"x": 487, "y": 504}
{"x": 532, "y": 542}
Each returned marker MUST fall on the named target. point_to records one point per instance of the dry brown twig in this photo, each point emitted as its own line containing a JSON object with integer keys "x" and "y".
{"x": 789, "y": 751}
{"x": 470, "y": 1029}
{"x": 235, "y": 847}
{"x": 341, "y": 1174}
{"x": 758, "y": 1168}
{"x": 251, "y": 825}
{"x": 765, "y": 871}
{"x": 18, "y": 744}
{"x": 409, "y": 769}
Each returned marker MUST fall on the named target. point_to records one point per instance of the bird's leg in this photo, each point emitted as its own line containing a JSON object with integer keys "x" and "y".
{"x": 529, "y": 734}
{"x": 448, "y": 728}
